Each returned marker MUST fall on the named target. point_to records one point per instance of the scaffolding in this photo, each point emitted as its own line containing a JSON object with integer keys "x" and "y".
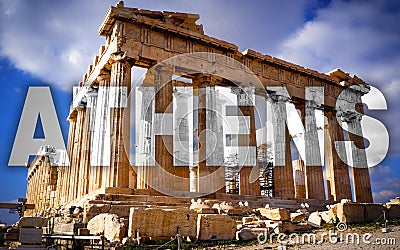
{"x": 232, "y": 174}
{"x": 266, "y": 172}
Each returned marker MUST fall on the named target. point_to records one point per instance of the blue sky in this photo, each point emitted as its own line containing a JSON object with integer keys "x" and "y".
{"x": 51, "y": 43}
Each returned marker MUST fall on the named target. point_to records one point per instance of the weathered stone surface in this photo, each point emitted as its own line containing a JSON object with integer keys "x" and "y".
{"x": 230, "y": 209}
{"x": 33, "y": 222}
{"x": 202, "y": 208}
{"x": 328, "y": 216}
{"x": 95, "y": 209}
{"x": 373, "y": 212}
{"x": 157, "y": 223}
{"x": 215, "y": 227}
{"x": 30, "y": 235}
{"x": 281, "y": 214}
{"x": 68, "y": 228}
{"x": 249, "y": 233}
{"x": 287, "y": 227}
{"x": 109, "y": 225}
{"x": 297, "y": 217}
{"x": 394, "y": 211}
{"x": 121, "y": 210}
{"x": 248, "y": 220}
{"x": 314, "y": 219}
{"x": 350, "y": 212}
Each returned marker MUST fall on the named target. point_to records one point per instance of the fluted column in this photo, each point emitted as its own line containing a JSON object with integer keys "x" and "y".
{"x": 337, "y": 172}
{"x": 299, "y": 178}
{"x": 145, "y": 151}
{"x": 283, "y": 170}
{"x": 100, "y": 147}
{"x": 163, "y": 174}
{"x": 91, "y": 101}
{"x": 360, "y": 170}
{"x": 210, "y": 169}
{"x": 120, "y": 128}
{"x": 181, "y": 140}
{"x": 313, "y": 167}
{"x": 247, "y": 151}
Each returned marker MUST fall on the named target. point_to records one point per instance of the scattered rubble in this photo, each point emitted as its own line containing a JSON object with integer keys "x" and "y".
{"x": 109, "y": 225}
{"x": 215, "y": 227}
{"x": 315, "y": 219}
{"x": 275, "y": 213}
{"x": 298, "y": 217}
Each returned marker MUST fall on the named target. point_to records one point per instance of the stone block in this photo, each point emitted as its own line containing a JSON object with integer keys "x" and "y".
{"x": 350, "y": 212}
{"x": 108, "y": 225}
{"x": 281, "y": 214}
{"x": 373, "y": 212}
{"x": 33, "y": 222}
{"x": 297, "y": 217}
{"x": 287, "y": 227}
{"x": 121, "y": 210}
{"x": 394, "y": 211}
{"x": 95, "y": 209}
{"x": 68, "y": 228}
{"x": 196, "y": 206}
{"x": 215, "y": 227}
{"x": 206, "y": 211}
{"x": 328, "y": 216}
{"x": 315, "y": 219}
{"x": 248, "y": 220}
{"x": 230, "y": 209}
{"x": 30, "y": 236}
{"x": 249, "y": 233}
{"x": 157, "y": 223}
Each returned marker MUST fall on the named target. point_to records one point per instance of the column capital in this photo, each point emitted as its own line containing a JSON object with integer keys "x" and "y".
{"x": 313, "y": 104}
{"x": 103, "y": 77}
{"x": 179, "y": 94}
{"x": 147, "y": 91}
{"x": 275, "y": 97}
{"x": 350, "y": 116}
{"x": 244, "y": 94}
{"x": 92, "y": 92}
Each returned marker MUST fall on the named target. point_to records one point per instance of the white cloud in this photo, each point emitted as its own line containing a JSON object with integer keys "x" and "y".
{"x": 384, "y": 183}
{"x": 51, "y": 40}
{"x": 384, "y": 196}
{"x": 56, "y": 40}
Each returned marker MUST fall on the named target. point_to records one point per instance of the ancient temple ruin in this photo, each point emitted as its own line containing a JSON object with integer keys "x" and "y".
{"x": 172, "y": 44}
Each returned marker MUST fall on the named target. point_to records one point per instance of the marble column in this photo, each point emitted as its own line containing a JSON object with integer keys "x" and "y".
{"x": 360, "y": 170}
{"x": 211, "y": 174}
{"x": 77, "y": 150}
{"x": 313, "y": 166}
{"x": 182, "y": 142}
{"x": 299, "y": 178}
{"x": 283, "y": 170}
{"x": 337, "y": 172}
{"x": 64, "y": 196}
{"x": 164, "y": 173}
{"x": 145, "y": 150}
{"x": 247, "y": 144}
{"x": 120, "y": 122}
{"x": 100, "y": 149}
{"x": 85, "y": 165}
